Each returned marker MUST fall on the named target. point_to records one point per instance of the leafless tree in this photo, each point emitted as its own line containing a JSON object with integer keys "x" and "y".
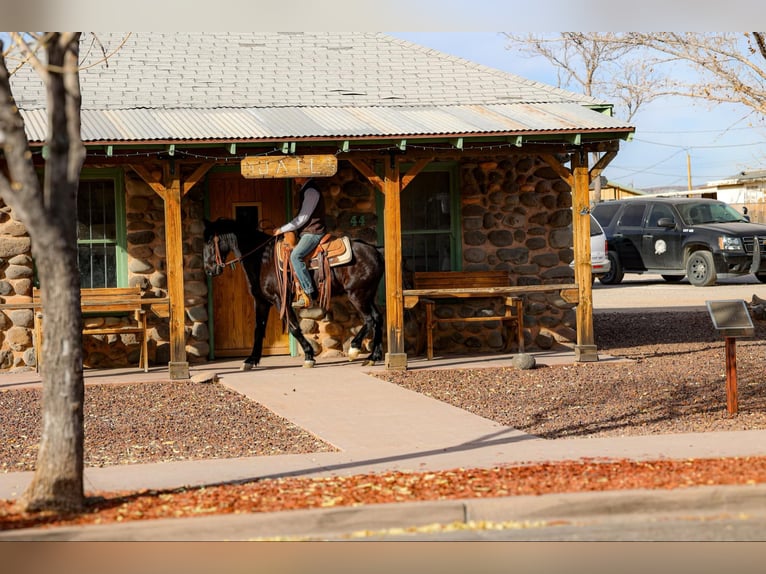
{"x": 48, "y": 210}
{"x": 597, "y": 65}
{"x": 634, "y": 68}
{"x": 730, "y": 67}
{"x": 600, "y": 65}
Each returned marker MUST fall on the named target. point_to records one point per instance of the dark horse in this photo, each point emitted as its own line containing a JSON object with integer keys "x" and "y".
{"x": 358, "y": 279}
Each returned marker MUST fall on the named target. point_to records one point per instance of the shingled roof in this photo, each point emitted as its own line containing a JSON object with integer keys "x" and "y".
{"x": 259, "y": 86}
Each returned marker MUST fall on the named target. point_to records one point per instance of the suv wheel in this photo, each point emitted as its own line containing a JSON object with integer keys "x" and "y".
{"x": 761, "y": 277}
{"x": 700, "y": 269}
{"x": 616, "y": 273}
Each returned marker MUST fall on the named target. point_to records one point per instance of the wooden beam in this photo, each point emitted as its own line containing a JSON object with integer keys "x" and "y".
{"x": 178, "y": 367}
{"x": 585, "y": 349}
{"x": 149, "y": 179}
{"x": 559, "y": 168}
{"x": 396, "y": 358}
{"x": 367, "y": 171}
{"x": 601, "y": 164}
{"x": 414, "y": 171}
{"x": 170, "y": 191}
{"x": 196, "y": 176}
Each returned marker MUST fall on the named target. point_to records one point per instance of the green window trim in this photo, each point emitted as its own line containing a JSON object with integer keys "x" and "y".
{"x": 455, "y": 230}
{"x": 120, "y": 215}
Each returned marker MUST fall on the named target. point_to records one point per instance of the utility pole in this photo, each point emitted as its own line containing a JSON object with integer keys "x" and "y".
{"x": 689, "y": 171}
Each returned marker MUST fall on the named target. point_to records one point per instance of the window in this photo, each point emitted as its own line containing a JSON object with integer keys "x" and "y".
{"x": 430, "y": 223}
{"x": 659, "y": 211}
{"x": 633, "y": 215}
{"x": 101, "y": 236}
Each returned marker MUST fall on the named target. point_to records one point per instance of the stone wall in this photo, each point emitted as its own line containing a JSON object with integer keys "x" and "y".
{"x": 16, "y": 275}
{"x": 516, "y": 215}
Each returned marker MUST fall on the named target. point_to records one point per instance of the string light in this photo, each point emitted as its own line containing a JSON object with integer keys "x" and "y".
{"x": 277, "y": 153}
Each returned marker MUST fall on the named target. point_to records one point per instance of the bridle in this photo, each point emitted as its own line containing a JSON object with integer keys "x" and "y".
{"x": 233, "y": 263}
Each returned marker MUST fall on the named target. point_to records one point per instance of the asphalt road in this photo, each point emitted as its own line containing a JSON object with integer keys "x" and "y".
{"x": 652, "y": 291}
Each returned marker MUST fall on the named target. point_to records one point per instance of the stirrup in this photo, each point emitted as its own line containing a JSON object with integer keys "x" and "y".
{"x": 303, "y": 302}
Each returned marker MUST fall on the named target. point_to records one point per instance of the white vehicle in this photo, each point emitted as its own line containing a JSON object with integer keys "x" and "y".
{"x": 599, "y": 261}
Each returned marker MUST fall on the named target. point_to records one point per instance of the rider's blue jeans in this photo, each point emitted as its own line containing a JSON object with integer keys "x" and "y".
{"x": 306, "y": 244}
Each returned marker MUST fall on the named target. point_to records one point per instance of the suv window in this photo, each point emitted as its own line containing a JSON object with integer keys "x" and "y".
{"x": 604, "y": 213}
{"x": 633, "y": 215}
{"x": 657, "y": 212}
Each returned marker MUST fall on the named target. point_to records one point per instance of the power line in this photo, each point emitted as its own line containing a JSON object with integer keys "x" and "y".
{"x": 698, "y": 146}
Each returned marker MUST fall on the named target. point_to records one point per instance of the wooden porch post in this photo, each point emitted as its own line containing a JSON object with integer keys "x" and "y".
{"x": 585, "y": 349}
{"x": 178, "y": 367}
{"x": 396, "y": 357}
{"x": 391, "y": 186}
{"x": 172, "y": 190}
{"x": 579, "y": 182}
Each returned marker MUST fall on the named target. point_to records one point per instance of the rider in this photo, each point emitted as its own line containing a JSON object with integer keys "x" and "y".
{"x": 309, "y": 223}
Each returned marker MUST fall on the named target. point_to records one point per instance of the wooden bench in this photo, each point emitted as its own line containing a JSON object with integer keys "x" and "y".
{"x": 433, "y": 285}
{"x": 127, "y": 301}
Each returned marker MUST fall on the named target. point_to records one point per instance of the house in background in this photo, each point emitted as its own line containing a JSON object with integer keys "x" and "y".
{"x": 613, "y": 190}
{"x": 449, "y": 164}
{"x": 745, "y": 189}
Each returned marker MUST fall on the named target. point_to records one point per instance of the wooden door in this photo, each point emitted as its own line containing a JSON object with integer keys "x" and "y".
{"x": 259, "y": 201}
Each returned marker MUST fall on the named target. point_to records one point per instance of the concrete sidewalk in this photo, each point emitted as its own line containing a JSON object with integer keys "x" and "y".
{"x": 377, "y": 426}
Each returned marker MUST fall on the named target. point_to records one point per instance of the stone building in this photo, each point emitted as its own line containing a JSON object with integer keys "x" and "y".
{"x": 486, "y": 170}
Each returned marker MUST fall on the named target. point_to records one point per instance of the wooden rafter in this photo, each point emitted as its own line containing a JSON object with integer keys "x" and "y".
{"x": 414, "y": 171}
{"x": 367, "y": 171}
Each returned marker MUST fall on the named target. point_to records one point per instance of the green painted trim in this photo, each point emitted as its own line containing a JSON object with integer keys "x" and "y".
{"x": 120, "y": 215}
{"x": 293, "y": 343}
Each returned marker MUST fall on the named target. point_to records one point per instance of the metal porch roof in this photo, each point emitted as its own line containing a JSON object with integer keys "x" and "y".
{"x": 316, "y": 123}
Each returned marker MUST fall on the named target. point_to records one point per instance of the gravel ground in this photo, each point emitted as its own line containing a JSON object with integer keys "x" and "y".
{"x": 673, "y": 382}
{"x": 155, "y": 422}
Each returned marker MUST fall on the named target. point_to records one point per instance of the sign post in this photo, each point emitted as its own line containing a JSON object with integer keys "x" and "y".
{"x": 732, "y": 319}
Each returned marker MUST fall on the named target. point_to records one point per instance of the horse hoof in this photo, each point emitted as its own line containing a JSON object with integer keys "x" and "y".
{"x": 246, "y": 367}
{"x": 353, "y": 353}
{"x": 308, "y": 364}
{"x": 368, "y": 363}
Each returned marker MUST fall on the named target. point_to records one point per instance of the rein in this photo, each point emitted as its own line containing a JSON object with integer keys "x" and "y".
{"x": 233, "y": 263}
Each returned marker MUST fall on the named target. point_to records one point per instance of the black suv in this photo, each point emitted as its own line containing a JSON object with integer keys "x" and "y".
{"x": 677, "y": 237}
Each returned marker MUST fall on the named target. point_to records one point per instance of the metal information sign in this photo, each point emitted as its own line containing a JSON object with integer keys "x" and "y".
{"x": 732, "y": 319}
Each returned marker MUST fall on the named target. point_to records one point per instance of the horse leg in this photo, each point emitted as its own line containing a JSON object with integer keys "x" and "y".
{"x": 259, "y": 334}
{"x": 294, "y": 328}
{"x": 373, "y": 323}
{"x": 377, "y": 337}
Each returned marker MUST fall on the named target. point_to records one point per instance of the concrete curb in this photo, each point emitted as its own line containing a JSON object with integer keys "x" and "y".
{"x": 530, "y": 513}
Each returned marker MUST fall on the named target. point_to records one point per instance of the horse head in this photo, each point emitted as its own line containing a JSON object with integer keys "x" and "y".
{"x": 220, "y": 239}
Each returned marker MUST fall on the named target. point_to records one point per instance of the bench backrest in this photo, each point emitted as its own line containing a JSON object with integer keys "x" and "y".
{"x": 461, "y": 279}
{"x": 104, "y": 300}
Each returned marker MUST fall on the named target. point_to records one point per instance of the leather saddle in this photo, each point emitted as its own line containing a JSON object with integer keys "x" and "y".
{"x": 336, "y": 251}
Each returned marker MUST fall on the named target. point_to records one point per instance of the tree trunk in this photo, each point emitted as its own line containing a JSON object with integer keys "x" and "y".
{"x": 50, "y": 215}
{"x": 58, "y": 480}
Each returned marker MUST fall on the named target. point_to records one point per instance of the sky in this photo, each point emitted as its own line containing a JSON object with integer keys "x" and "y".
{"x": 674, "y": 137}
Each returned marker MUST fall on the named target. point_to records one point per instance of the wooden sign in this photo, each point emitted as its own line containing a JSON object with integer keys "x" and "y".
{"x": 273, "y": 167}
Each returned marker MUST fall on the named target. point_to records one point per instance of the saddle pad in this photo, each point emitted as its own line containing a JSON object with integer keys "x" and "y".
{"x": 337, "y": 251}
